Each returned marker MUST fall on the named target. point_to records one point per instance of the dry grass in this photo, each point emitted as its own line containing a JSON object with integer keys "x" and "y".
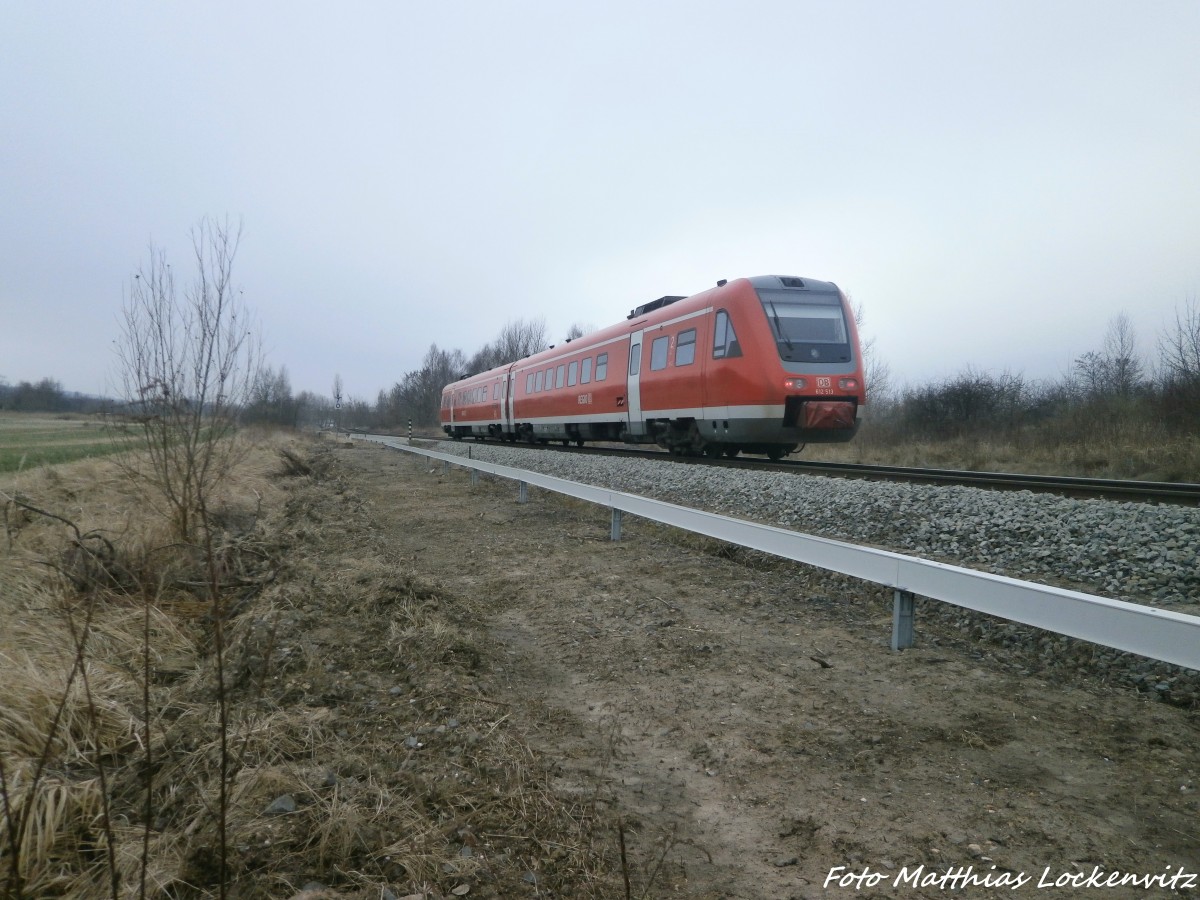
{"x": 1134, "y": 451}
{"x": 352, "y": 692}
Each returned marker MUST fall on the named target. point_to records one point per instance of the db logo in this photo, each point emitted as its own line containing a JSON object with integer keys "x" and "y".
{"x": 824, "y": 382}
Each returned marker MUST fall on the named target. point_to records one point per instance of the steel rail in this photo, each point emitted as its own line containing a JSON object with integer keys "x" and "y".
{"x": 1165, "y": 635}
{"x": 1109, "y": 488}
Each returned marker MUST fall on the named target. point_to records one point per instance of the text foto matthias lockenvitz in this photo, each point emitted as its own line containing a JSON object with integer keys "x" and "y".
{"x": 956, "y": 878}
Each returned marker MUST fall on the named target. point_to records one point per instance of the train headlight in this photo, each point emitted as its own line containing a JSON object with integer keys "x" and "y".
{"x": 848, "y": 384}
{"x": 794, "y": 384}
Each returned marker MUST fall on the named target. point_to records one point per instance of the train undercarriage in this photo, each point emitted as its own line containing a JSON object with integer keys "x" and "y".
{"x": 688, "y": 437}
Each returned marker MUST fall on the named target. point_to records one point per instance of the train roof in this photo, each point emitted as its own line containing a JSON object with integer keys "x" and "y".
{"x": 778, "y": 282}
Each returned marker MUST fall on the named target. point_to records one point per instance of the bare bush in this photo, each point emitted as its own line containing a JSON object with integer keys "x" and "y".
{"x": 187, "y": 364}
{"x": 876, "y": 372}
{"x": 1179, "y": 345}
{"x": 1179, "y": 370}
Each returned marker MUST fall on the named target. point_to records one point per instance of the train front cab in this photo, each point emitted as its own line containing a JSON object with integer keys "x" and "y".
{"x": 812, "y": 336}
{"x": 780, "y": 367}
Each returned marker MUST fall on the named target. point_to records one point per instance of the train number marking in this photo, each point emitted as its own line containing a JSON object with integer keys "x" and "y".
{"x": 585, "y": 399}
{"x": 824, "y": 386}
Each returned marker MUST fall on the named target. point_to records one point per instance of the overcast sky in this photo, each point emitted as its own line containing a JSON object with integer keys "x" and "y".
{"x": 992, "y": 181}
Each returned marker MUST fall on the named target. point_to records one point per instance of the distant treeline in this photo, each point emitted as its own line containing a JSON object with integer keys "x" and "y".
{"x": 1108, "y": 389}
{"x": 46, "y": 395}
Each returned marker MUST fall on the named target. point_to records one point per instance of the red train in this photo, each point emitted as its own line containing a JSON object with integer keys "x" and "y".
{"x": 755, "y": 365}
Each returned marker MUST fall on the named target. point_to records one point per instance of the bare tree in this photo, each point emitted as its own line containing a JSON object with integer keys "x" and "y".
{"x": 876, "y": 372}
{"x": 1179, "y": 368}
{"x": 187, "y": 366}
{"x": 520, "y": 338}
{"x": 1179, "y": 345}
{"x": 187, "y": 362}
{"x": 1114, "y": 370}
{"x": 1125, "y": 370}
{"x": 578, "y": 330}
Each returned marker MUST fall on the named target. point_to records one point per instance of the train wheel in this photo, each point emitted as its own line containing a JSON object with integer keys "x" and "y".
{"x": 777, "y": 453}
{"x": 578, "y": 442}
{"x": 566, "y": 443}
{"x": 713, "y": 451}
{"x": 731, "y": 452}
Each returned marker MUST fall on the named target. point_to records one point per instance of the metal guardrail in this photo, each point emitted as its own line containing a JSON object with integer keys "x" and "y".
{"x": 1158, "y": 634}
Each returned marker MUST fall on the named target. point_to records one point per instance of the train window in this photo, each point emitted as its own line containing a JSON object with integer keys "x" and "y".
{"x": 725, "y": 342}
{"x": 529, "y": 383}
{"x": 635, "y": 358}
{"x": 572, "y": 373}
{"x": 550, "y": 378}
{"x": 586, "y": 375}
{"x": 560, "y": 376}
{"x": 496, "y": 391}
{"x": 541, "y": 381}
{"x": 601, "y": 366}
{"x": 809, "y": 326}
{"x": 685, "y": 348}
{"x": 658, "y": 353}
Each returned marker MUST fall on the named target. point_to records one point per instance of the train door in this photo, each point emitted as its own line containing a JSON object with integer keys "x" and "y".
{"x": 633, "y": 387}
{"x": 510, "y": 388}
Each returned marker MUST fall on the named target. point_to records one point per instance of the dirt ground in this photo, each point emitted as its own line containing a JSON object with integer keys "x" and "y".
{"x": 747, "y": 722}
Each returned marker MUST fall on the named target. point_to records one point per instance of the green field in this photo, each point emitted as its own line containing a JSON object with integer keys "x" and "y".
{"x": 30, "y": 440}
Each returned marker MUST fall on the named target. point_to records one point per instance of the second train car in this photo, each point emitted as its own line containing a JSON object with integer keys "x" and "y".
{"x": 754, "y": 365}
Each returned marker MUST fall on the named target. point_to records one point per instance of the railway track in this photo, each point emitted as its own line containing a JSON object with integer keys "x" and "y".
{"x": 1180, "y": 493}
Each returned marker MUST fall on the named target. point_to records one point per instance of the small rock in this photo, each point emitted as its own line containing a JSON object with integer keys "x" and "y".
{"x": 281, "y": 805}
{"x": 786, "y": 861}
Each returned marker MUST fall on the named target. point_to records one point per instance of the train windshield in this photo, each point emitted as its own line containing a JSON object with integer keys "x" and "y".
{"x": 808, "y": 327}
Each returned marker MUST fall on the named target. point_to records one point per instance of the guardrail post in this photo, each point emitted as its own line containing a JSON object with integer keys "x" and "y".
{"x": 902, "y": 620}
{"x": 445, "y": 467}
{"x": 474, "y": 477}
{"x": 616, "y": 524}
{"x": 410, "y": 431}
{"x": 523, "y": 496}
